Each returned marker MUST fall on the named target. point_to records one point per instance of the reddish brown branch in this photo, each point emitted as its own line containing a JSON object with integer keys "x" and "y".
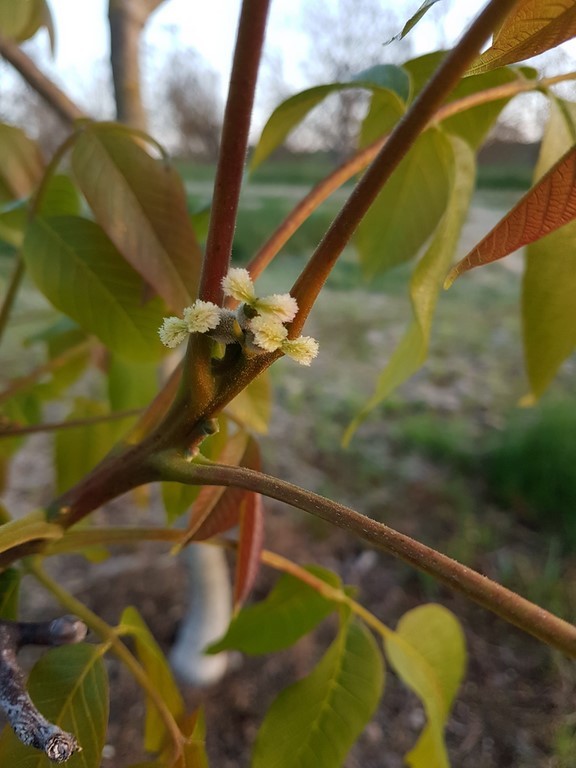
{"x": 233, "y": 147}
{"x": 482, "y": 590}
{"x": 446, "y": 77}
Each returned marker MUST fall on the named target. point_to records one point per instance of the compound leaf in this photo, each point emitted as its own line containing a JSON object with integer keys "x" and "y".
{"x": 313, "y": 723}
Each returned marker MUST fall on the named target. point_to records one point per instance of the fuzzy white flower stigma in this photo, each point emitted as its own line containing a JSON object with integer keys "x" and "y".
{"x": 238, "y": 284}
{"x": 201, "y": 317}
{"x": 269, "y": 333}
{"x": 280, "y": 305}
{"x": 173, "y": 331}
{"x": 303, "y": 349}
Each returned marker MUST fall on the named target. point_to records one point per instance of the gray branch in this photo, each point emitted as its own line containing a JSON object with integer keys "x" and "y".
{"x": 29, "y": 725}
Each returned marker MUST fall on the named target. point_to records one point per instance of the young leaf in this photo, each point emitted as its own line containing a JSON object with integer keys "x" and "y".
{"x": 21, "y": 164}
{"x": 413, "y": 20}
{"x": 20, "y": 21}
{"x": 78, "y": 450}
{"x": 154, "y": 662}
{"x": 384, "y": 112}
{"x": 216, "y": 508}
{"x": 194, "y": 727}
{"x": 408, "y": 209}
{"x": 70, "y": 687}
{"x": 549, "y": 284}
{"x": 9, "y": 591}
{"x": 292, "y": 111}
{"x": 426, "y": 284}
{"x": 547, "y": 206}
{"x": 130, "y": 384}
{"x": 533, "y": 26}
{"x": 141, "y": 204}
{"x": 427, "y": 651}
{"x": 80, "y": 271}
{"x": 60, "y": 198}
{"x": 291, "y": 610}
{"x": 313, "y": 723}
{"x": 250, "y": 543}
{"x": 473, "y": 124}
{"x": 253, "y": 406}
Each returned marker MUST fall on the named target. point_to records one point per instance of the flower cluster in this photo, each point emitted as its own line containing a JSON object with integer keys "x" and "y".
{"x": 259, "y": 320}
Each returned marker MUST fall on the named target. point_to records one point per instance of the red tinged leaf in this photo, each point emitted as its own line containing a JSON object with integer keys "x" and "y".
{"x": 250, "y": 544}
{"x": 547, "y": 206}
{"x": 217, "y": 509}
{"x": 533, "y": 27}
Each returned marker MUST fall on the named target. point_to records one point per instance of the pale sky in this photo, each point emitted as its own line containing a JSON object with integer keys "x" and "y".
{"x": 209, "y": 27}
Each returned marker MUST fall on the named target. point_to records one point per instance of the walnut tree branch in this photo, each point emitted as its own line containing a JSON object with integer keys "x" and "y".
{"x": 173, "y": 466}
{"x": 406, "y": 131}
{"x": 29, "y": 725}
{"x": 232, "y": 157}
{"x": 50, "y": 92}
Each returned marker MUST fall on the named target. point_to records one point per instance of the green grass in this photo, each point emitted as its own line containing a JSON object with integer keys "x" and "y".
{"x": 531, "y": 466}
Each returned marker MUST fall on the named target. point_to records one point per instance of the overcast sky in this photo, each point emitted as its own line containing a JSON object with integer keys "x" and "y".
{"x": 209, "y": 27}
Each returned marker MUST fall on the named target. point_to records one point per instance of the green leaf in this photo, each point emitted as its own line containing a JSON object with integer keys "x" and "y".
{"x": 9, "y": 592}
{"x": 21, "y": 164}
{"x": 60, "y": 198}
{"x": 473, "y": 124}
{"x": 428, "y": 653}
{"x": 384, "y": 112}
{"x": 252, "y": 408}
{"x": 70, "y": 687}
{"x": 154, "y": 662}
{"x": 130, "y": 384}
{"x": 313, "y": 723}
{"x": 291, "y": 610}
{"x": 292, "y": 111}
{"x": 141, "y": 204}
{"x": 409, "y": 207}
{"x": 13, "y": 219}
{"x": 79, "y": 449}
{"x": 414, "y": 19}
{"x": 79, "y": 270}
{"x": 549, "y": 284}
{"x": 426, "y": 284}
{"x": 532, "y": 27}
{"x": 21, "y": 19}
{"x": 62, "y": 337}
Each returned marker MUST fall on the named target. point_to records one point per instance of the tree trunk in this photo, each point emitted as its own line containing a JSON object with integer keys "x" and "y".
{"x": 127, "y": 19}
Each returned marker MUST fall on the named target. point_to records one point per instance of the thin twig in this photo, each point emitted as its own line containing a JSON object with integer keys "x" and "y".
{"x": 52, "y": 365}
{"x": 482, "y": 590}
{"x": 11, "y": 293}
{"x": 109, "y": 636}
{"x": 233, "y": 147}
{"x": 444, "y": 80}
{"x": 45, "y": 87}
{"x": 55, "y": 426}
{"x": 29, "y": 725}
